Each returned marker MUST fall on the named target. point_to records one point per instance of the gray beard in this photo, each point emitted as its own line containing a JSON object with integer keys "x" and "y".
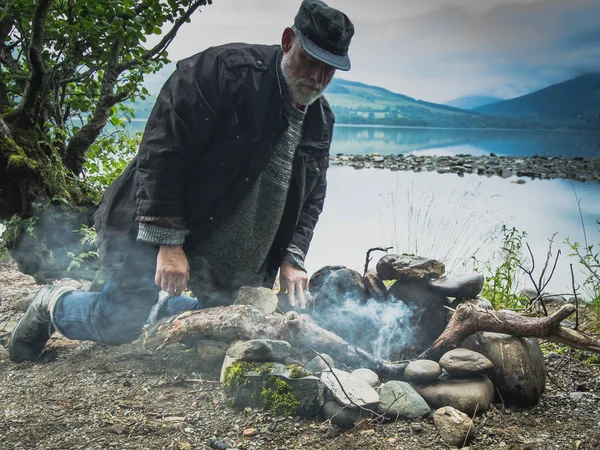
{"x": 299, "y": 93}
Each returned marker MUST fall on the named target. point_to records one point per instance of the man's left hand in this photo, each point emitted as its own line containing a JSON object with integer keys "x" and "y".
{"x": 294, "y": 281}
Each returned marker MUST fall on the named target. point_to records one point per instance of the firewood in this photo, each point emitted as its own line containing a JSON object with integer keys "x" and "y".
{"x": 229, "y": 323}
{"x": 468, "y": 319}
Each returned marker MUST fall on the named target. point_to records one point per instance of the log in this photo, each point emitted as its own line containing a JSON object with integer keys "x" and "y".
{"x": 230, "y": 323}
{"x": 468, "y": 319}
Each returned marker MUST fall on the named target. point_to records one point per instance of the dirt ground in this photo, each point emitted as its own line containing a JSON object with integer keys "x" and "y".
{"x": 90, "y": 396}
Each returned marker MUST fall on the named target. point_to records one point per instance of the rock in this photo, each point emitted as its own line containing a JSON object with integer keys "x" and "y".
{"x": 260, "y": 350}
{"x": 283, "y": 390}
{"x": 468, "y": 395}
{"x": 549, "y": 299}
{"x": 358, "y": 391}
{"x": 467, "y": 285}
{"x": 578, "y": 397}
{"x": 3, "y": 354}
{"x": 211, "y": 355}
{"x": 317, "y": 365}
{"x": 399, "y": 400}
{"x": 249, "y": 432}
{"x": 430, "y": 315}
{"x": 318, "y": 279}
{"x": 403, "y": 267}
{"x": 371, "y": 378}
{"x": 263, "y": 299}
{"x": 462, "y": 363}
{"x": 553, "y": 356}
{"x": 336, "y": 287}
{"x": 341, "y": 416}
{"x": 455, "y": 428}
{"x": 374, "y": 286}
{"x": 519, "y": 372}
{"x": 422, "y": 371}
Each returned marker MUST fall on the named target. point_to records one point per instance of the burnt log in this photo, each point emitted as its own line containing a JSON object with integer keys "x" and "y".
{"x": 230, "y": 323}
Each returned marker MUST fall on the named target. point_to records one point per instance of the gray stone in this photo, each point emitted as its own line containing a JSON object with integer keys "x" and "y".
{"x": 422, "y": 371}
{"x": 455, "y": 428}
{"x": 375, "y": 287}
{"x": 260, "y": 350}
{"x": 263, "y": 299}
{"x": 400, "y": 400}
{"x": 402, "y": 267}
{"x": 468, "y": 395}
{"x": 462, "y": 362}
{"x": 519, "y": 372}
{"x": 430, "y": 315}
{"x": 349, "y": 390}
{"x": 367, "y": 375}
{"x": 250, "y": 385}
{"x": 342, "y": 416}
{"x": 464, "y": 285}
{"x": 317, "y": 365}
{"x": 211, "y": 355}
{"x": 578, "y": 397}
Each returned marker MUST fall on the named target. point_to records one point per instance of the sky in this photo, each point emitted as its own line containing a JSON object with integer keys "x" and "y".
{"x": 434, "y": 50}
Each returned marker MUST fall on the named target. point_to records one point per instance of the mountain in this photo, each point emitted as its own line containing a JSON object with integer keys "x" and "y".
{"x": 359, "y": 103}
{"x": 472, "y": 101}
{"x": 575, "y": 102}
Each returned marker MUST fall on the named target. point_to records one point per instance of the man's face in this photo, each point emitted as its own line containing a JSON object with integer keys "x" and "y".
{"x": 307, "y": 77}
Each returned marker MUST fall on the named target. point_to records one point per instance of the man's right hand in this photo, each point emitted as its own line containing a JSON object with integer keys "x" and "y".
{"x": 172, "y": 269}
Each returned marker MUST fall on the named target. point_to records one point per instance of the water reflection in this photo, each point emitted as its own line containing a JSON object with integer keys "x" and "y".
{"x": 438, "y": 141}
{"x": 449, "y": 218}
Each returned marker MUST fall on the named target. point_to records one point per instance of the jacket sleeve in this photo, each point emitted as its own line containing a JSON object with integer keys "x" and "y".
{"x": 183, "y": 119}
{"x": 309, "y": 214}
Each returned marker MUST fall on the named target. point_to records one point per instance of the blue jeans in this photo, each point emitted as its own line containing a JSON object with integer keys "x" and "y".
{"x": 117, "y": 314}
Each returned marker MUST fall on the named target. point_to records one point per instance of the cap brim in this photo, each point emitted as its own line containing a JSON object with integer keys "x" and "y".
{"x": 338, "y": 61}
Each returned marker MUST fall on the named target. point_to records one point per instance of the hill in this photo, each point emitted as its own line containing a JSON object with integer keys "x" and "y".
{"x": 575, "y": 102}
{"x": 359, "y": 103}
{"x": 472, "y": 101}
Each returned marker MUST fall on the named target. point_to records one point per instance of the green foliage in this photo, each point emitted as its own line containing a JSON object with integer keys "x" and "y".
{"x": 588, "y": 261}
{"x": 502, "y": 281}
{"x": 106, "y": 159}
{"x": 88, "y": 239}
{"x": 278, "y": 397}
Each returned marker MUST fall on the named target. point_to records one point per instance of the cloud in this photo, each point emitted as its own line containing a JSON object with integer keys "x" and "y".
{"x": 434, "y": 50}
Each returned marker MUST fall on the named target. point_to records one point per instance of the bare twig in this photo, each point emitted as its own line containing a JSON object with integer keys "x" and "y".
{"x": 362, "y": 408}
{"x": 575, "y": 295}
{"x": 368, "y": 257}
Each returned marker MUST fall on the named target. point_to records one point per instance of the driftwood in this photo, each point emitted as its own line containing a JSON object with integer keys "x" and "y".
{"x": 468, "y": 319}
{"x": 229, "y": 323}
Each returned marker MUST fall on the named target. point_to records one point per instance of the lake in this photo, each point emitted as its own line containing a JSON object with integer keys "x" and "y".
{"x": 450, "y": 218}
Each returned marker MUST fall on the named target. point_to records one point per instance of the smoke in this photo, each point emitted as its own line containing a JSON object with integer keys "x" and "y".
{"x": 381, "y": 327}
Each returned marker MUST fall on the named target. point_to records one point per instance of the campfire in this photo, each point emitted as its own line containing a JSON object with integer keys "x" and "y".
{"x": 395, "y": 343}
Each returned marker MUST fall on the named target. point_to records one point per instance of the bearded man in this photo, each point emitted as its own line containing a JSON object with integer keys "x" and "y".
{"x": 224, "y": 192}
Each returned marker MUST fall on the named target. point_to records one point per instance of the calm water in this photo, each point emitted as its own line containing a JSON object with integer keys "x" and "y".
{"x": 447, "y": 217}
{"x": 350, "y": 139}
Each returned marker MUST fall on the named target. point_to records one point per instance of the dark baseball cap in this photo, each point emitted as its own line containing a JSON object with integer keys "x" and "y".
{"x": 325, "y": 33}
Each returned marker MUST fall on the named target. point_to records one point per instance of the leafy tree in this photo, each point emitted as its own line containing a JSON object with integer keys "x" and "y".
{"x": 66, "y": 67}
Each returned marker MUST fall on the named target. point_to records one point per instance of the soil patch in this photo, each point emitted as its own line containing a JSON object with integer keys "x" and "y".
{"x": 91, "y": 396}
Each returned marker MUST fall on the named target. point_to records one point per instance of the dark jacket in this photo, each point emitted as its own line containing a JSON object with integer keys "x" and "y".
{"x": 210, "y": 134}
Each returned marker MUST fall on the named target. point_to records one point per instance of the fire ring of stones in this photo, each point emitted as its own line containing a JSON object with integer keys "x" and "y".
{"x": 288, "y": 377}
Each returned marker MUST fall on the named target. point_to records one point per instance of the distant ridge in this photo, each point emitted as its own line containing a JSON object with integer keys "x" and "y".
{"x": 575, "y": 101}
{"x": 473, "y": 101}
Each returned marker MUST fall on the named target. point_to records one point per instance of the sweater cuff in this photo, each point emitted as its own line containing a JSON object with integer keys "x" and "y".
{"x": 295, "y": 260}
{"x": 154, "y": 234}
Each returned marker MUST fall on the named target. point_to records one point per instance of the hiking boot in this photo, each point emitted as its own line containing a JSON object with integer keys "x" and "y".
{"x": 29, "y": 337}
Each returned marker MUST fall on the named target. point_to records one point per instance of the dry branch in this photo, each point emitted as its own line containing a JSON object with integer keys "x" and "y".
{"x": 469, "y": 319}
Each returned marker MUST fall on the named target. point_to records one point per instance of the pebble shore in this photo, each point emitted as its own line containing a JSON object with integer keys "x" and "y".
{"x": 540, "y": 167}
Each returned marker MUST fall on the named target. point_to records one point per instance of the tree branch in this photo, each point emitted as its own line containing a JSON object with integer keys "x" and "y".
{"x": 166, "y": 40}
{"x": 26, "y": 112}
